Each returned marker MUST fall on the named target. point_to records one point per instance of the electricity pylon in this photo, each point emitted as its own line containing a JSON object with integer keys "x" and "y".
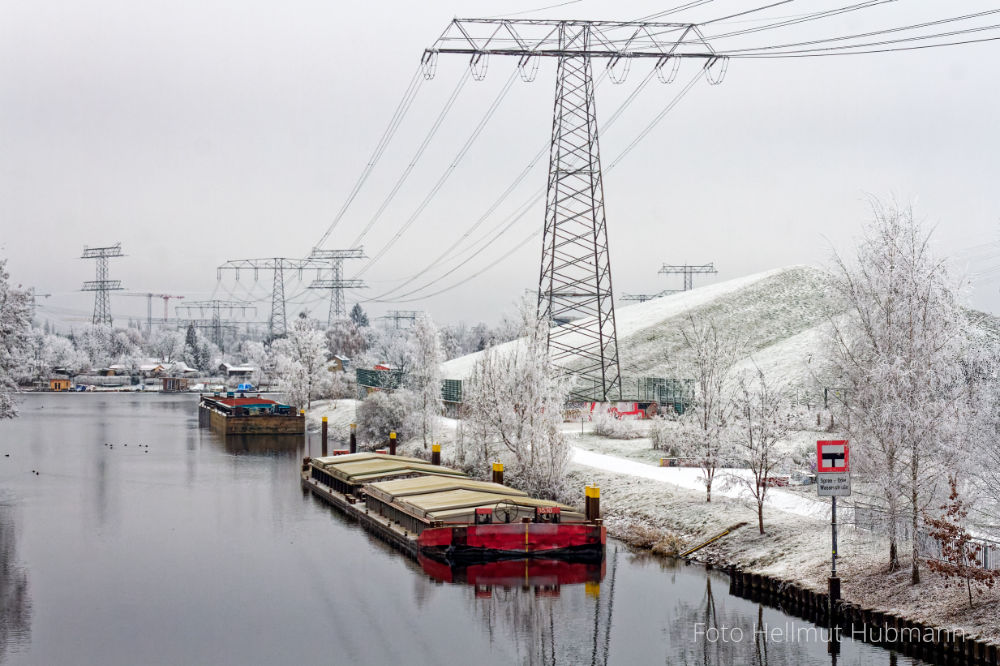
{"x": 574, "y": 286}
{"x": 336, "y": 282}
{"x": 102, "y": 286}
{"x": 215, "y": 307}
{"x": 688, "y": 272}
{"x": 397, "y": 316}
{"x": 277, "y": 324}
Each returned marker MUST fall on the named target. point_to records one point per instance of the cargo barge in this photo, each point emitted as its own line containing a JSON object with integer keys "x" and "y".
{"x": 230, "y": 414}
{"x": 440, "y": 513}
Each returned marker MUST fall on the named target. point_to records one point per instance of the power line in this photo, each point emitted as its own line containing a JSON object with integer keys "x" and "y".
{"x": 678, "y": 8}
{"x": 848, "y": 48}
{"x": 507, "y": 222}
{"x": 867, "y": 34}
{"x": 413, "y": 161}
{"x": 447, "y": 172}
{"x": 536, "y": 197}
{"x": 749, "y": 11}
{"x": 397, "y": 118}
{"x": 802, "y": 19}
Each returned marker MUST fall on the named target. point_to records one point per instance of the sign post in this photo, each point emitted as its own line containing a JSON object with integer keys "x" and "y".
{"x": 833, "y": 480}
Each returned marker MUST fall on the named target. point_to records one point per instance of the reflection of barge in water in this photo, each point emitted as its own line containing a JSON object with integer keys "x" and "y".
{"x": 231, "y": 415}
{"x": 545, "y": 576}
{"x": 443, "y": 514}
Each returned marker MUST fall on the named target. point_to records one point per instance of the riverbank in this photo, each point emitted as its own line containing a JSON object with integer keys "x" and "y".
{"x": 664, "y": 510}
{"x": 666, "y": 519}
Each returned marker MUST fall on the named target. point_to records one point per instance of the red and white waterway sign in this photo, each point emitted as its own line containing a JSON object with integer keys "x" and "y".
{"x": 833, "y": 456}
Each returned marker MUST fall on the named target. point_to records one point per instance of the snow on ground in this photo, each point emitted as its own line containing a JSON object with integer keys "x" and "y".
{"x": 633, "y": 319}
{"x": 690, "y": 478}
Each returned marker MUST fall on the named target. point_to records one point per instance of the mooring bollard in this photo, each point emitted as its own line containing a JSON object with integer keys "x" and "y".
{"x": 392, "y": 443}
{"x": 325, "y": 434}
{"x": 593, "y": 505}
{"x": 354, "y": 438}
{"x": 498, "y": 473}
{"x": 435, "y": 454}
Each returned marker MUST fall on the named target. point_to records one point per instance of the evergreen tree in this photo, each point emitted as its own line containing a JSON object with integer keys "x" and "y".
{"x": 358, "y": 316}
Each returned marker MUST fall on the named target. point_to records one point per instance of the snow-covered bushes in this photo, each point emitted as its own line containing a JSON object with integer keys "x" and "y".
{"x": 383, "y": 412}
{"x": 607, "y": 425}
{"x": 663, "y": 435}
{"x": 514, "y": 401}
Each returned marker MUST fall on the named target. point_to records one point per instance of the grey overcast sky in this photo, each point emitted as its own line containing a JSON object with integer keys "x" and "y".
{"x": 200, "y": 131}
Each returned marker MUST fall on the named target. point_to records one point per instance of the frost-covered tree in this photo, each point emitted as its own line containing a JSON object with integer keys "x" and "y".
{"x": 425, "y": 377}
{"x": 709, "y": 357}
{"x": 15, "y": 333}
{"x": 344, "y": 337}
{"x": 393, "y": 348}
{"x": 897, "y": 351}
{"x": 382, "y": 412}
{"x": 259, "y": 357}
{"x": 166, "y": 345}
{"x": 302, "y": 362}
{"x": 762, "y": 417}
{"x": 95, "y": 342}
{"x": 514, "y": 403}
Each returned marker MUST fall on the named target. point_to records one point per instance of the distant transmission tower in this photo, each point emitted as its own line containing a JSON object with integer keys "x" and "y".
{"x": 102, "y": 286}
{"x": 277, "y": 324}
{"x": 336, "y": 283}
{"x": 574, "y": 286}
{"x": 642, "y": 298}
{"x": 215, "y": 324}
{"x": 688, "y": 272}
{"x": 397, "y": 316}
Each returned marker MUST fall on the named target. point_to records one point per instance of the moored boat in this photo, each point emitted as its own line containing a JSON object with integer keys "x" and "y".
{"x": 444, "y": 514}
{"x": 231, "y": 414}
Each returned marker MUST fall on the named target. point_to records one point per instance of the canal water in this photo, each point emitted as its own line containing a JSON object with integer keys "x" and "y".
{"x": 130, "y": 536}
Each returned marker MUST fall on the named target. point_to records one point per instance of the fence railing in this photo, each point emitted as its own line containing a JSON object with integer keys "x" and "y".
{"x": 874, "y": 519}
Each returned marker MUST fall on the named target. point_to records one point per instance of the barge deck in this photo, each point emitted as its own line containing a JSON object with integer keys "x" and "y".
{"x": 441, "y": 513}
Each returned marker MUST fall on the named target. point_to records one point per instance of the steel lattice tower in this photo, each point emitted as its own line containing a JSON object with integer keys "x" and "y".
{"x": 688, "y": 271}
{"x": 574, "y": 286}
{"x": 215, "y": 308}
{"x": 336, "y": 283}
{"x": 278, "y": 321}
{"x": 102, "y": 286}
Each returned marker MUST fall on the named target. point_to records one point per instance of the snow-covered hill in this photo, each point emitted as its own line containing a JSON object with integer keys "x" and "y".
{"x": 779, "y": 313}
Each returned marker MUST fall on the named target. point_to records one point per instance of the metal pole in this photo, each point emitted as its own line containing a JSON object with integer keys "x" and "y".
{"x": 833, "y": 525}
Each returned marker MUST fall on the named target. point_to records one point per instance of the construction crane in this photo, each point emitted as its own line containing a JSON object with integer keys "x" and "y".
{"x": 149, "y": 306}
{"x": 574, "y": 286}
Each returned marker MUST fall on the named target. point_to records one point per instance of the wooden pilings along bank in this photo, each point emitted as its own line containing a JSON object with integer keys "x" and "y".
{"x": 912, "y": 638}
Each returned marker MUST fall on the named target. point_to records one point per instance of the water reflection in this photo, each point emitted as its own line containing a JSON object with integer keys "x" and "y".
{"x": 543, "y": 577}
{"x": 261, "y": 445}
{"x": 15, "y": 602}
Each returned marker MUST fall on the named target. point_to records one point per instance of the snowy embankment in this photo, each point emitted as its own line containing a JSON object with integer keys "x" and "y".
{"x": 779, "y": 313}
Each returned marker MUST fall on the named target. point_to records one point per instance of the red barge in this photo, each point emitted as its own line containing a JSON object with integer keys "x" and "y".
{"x": 441, "y": 513}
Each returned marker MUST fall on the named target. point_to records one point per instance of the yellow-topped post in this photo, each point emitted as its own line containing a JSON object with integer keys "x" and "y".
{"x": 354, "y": 438}
{"x": 593, "y": 502}
{"x": 392, "y": 443}
{"x": 498, "y": 473}
{"x": 435, "y": 454}
{"x": 325, "y": 435}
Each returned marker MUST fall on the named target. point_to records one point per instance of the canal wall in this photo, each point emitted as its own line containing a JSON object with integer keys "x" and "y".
{"x": 886, "y": 629}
